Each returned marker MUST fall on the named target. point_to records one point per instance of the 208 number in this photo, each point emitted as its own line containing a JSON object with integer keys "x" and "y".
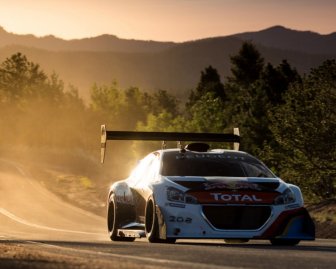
{"x": 180, "y": 219}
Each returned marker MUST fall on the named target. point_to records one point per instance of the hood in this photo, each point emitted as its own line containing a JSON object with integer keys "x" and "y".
{"x": 226, "y": 190}
{"x": 227, "y": 183}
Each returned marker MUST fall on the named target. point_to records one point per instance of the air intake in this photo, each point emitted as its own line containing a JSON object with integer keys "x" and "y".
{"x": 199, "y": 147}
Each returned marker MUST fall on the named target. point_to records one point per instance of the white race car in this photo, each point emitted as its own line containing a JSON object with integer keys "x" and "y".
{"x": 195, "y": 192}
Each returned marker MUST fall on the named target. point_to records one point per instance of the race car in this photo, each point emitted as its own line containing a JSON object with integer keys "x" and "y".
{"x": 192, "y": 192}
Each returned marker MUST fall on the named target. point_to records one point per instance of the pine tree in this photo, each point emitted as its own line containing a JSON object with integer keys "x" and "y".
{"x": 305, "y": 129}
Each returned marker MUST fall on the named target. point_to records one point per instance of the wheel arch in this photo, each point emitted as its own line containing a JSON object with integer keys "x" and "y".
{"x": 124, "y": 202}
{"x": 150, "y": 218}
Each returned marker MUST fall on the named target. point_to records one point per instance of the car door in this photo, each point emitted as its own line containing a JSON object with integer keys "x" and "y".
{"x": 137, "y": 183}
{"x": 144, "y": 185}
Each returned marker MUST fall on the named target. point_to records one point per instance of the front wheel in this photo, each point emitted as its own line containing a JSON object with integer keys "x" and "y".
{"x": 152, "y": 225}
{"x": 284, "y": 242}
{"x": 113, "y": 222}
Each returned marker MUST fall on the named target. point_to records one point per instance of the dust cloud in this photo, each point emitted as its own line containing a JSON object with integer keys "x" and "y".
{"x": 51, "y": 138}
{"x": 58, "y": 146}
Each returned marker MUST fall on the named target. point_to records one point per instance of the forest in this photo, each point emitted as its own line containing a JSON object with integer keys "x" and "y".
{"x": 286, "y": 119}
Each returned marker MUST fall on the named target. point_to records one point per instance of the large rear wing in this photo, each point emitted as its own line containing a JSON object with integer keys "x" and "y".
{"x": 167, "y": 136}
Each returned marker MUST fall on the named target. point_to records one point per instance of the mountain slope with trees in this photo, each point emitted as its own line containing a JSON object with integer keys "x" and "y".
{"x": 155, "y": 65}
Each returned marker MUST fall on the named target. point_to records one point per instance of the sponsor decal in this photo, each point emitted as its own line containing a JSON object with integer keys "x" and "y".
{"x": 176, "y": 205}
{"x": 236, "y": 185}
{"x": 209, "y": 156}
{"x": 235, "y": 197}
{"x": 124, "y": 199}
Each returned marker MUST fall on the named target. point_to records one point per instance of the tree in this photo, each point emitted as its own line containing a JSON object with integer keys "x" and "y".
{"x": 107, "y": 103}
{"x": 267, "y": 93}
{"x": 253, "y": 91}
{"x": 36, "y": 107}
{"x": 163, "y": 101}
{"x": 122, "y": 109}
{"x": 20, "y": 79}
{"x": 207, "y": 114}
{"x": 103, "y": 98}
{"x": 246, "y": 97}
{"x": 247, "y": 65}
{"x": 136, "y": 106}
{"x": 210, "y": 82}
{"x": 305, "y": 129}
{"x": 277, "y": 80}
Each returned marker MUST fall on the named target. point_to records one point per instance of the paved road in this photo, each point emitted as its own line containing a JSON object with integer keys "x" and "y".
{"x": 38, "y": 230}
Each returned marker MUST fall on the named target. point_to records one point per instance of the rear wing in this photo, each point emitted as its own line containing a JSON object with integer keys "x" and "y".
{"x": 167, "y": 136}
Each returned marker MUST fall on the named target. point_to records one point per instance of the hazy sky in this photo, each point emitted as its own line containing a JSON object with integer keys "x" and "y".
{"x": 164, "y": 20}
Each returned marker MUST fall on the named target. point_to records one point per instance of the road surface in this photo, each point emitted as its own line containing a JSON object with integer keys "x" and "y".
{"x": 39, "y": 230}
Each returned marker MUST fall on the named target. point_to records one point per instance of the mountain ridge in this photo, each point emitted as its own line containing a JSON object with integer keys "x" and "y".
{"x": 175, "y": 67}
{"x": 284, "y": 38}
{"x": 275, "y": 36}
{"x": 105, "y": 42}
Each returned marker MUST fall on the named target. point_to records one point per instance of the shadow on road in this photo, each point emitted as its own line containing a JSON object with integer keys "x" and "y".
{"x": 321, "y": 247}
{"x": 267, "y": 246}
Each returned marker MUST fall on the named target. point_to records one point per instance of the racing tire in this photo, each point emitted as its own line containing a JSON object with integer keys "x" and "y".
{"x": 284, "y": 242}
{"x": 152, "y": 224}
{"x": 113, "y": 222}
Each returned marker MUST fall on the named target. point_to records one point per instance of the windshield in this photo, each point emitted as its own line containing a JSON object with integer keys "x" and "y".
{"x": 224, "y": 165}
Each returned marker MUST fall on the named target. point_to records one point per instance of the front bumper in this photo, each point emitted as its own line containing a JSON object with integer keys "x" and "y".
{"x": 189, "y": 221}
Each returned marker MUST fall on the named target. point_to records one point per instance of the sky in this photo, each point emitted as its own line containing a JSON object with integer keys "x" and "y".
{"x": 163, "y": 20}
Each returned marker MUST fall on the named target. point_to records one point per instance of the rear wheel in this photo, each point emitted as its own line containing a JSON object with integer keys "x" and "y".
{"x": 113, "y": 222}
{"x": 284, "y": 242}
{"x": 152, "y": 225}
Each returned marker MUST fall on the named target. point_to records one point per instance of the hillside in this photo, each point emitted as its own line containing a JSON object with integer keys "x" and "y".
{"x": 155, "y": 65}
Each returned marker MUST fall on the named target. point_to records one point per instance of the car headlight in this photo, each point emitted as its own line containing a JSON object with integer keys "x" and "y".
{"x": 287, "y": 197}
{"x": 176, "y": 195}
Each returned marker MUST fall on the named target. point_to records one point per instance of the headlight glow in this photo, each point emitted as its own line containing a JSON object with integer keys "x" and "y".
{"x": 176, "y": 195}
{"x": 287, "y": 197}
